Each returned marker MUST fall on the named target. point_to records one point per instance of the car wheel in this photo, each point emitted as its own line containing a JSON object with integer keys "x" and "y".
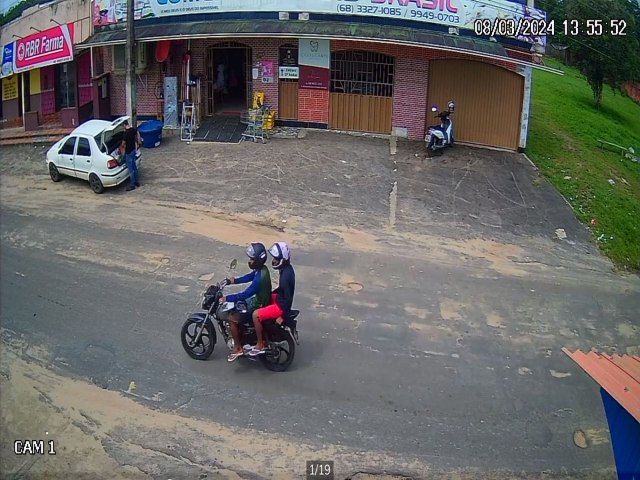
{"x": 96, "y": 183}
{"x": 54, "y": 173}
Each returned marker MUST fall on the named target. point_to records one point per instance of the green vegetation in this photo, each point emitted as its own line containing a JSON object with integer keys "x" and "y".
{"x": 15, "y": 11}
{"x": 605, "y": 48}
{"x": 565, "y": 125}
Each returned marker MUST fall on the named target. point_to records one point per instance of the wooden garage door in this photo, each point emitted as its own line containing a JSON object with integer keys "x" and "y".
{"x": 488, "y": 101}
{"x": 361, "y": 93}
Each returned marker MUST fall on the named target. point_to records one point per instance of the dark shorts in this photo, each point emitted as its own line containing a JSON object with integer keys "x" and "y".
{"x": 244, "y": 318}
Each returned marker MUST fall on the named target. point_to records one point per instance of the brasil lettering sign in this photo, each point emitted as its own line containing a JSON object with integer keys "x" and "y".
{"x": 452, "y": 13}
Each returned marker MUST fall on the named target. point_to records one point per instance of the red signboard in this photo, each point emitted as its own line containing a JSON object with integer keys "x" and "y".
{"x": 314, "y": 78}
{"x": 54, "y": 45}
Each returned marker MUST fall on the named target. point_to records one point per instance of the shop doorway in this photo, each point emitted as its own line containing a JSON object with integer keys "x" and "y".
{"x": 229, "y": 84}
{"x": 288, "y": 86}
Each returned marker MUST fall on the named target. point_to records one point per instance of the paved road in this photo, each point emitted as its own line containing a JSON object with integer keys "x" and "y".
{"x": 442, "y": 351}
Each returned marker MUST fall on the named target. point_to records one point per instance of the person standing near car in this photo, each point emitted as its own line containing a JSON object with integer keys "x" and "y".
{"x": 131, "y": 143}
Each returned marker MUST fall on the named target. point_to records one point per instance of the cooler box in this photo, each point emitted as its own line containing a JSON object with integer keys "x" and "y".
{"x": 151, "y": 133}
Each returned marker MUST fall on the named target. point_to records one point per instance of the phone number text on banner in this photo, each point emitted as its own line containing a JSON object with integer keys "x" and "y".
{"x": 453, "y": 13}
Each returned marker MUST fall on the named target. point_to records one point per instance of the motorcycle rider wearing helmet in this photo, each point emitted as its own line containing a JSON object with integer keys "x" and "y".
{"x": 281, "y": 298}
{"x": 257, "y": 295}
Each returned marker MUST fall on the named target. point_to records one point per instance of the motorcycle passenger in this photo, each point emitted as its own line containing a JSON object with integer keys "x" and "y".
{"x": 281, "y": 298}
{"x": 257, "y": 295}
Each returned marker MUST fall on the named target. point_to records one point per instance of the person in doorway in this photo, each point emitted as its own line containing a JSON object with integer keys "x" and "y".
{"x": 281, "y": 298}
{"x": 257, "y": 294}
{"x": 131, "y": 142}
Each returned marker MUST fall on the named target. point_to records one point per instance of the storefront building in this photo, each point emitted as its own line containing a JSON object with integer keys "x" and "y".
{"x": 359, "y": 65}
{"x": 44, "y": 79}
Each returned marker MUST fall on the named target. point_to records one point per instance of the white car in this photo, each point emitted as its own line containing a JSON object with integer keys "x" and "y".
{"x": 91, "y": 152}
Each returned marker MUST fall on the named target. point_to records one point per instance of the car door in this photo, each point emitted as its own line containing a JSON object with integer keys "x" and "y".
{"x": 83, "y": 158}
{"x": 66, "y": 156}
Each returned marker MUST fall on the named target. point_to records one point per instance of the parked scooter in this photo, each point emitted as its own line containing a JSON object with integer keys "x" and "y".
{"x": 440, "y": 136}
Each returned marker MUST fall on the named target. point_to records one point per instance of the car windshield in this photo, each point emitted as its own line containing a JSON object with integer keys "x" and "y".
{"x": 112, "y": 139}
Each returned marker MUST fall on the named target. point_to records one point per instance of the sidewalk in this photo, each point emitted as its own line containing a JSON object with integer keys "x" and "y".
{"x": 46, "y": 134}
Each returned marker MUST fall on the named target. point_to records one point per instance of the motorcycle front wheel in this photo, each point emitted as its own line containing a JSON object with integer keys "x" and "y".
{"x": 203, "y": 348}
{"x": 280, "y": 352}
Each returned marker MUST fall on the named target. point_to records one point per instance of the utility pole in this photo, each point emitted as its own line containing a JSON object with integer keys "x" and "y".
{"x": 130, "y": 60}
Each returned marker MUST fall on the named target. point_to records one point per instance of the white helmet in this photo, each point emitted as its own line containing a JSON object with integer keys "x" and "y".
{"x": 281, "y": 253}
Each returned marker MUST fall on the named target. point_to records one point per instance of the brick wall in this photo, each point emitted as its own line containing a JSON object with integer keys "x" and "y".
{"x": 147, "y": 103}
{"x": 410, "y": 95}
{"x": 410, "y": 88}
{"x": 633, "y": 90}
{"x": 313, "y": 105}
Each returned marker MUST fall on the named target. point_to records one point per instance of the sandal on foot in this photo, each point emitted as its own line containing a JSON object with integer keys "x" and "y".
{"x": 256, "y": 351}
{"x": 233, "y": 355}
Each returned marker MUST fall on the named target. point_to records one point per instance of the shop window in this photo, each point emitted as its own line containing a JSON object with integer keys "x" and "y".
{"x": 67, "y": 85}
{"x": 119, "y": 57}
{"x": 84, "y": 149}
{"x": 362, "y": 73}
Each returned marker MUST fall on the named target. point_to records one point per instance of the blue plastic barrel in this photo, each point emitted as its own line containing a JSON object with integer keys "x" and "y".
{"x": 151, "y": 133}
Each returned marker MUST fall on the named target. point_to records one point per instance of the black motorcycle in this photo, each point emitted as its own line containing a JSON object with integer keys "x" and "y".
{"x": 199, "y": 335}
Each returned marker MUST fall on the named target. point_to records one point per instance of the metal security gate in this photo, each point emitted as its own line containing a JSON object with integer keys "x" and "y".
{"x": 488, "y": 101}
{"x": 361, "y": 91}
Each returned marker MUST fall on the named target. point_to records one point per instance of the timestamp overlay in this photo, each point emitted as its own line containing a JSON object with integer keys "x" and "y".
{"x": 536, "y": 27}
{"x": 511, "y": 27}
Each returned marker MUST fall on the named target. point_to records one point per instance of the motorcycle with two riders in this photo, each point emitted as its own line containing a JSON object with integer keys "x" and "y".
{"x": 199, "y": 336}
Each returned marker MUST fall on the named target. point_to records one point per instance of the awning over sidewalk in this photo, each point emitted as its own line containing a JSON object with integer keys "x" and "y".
{"x": 619, "y": 379}
{"x": 297, "y": 29}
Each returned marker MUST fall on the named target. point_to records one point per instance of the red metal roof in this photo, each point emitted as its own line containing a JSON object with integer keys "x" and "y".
{"x": 618, "y": 375}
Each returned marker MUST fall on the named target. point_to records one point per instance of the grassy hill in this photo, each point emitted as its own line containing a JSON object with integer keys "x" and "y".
{"x": 563, "y": 131}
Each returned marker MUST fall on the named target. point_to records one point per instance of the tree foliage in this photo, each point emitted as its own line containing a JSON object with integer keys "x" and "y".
{"x": 16, "y": 11}
{"x": 604, "y": 59}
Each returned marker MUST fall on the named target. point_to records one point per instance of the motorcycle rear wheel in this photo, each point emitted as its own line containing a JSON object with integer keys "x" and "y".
{"x": 207, "y": 342}
{"x": 280, "y": 352}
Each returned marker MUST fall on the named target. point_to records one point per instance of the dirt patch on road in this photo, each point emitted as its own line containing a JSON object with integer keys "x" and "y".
{"x": 103, "y": 434}
{"x": 140, "y": 212}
